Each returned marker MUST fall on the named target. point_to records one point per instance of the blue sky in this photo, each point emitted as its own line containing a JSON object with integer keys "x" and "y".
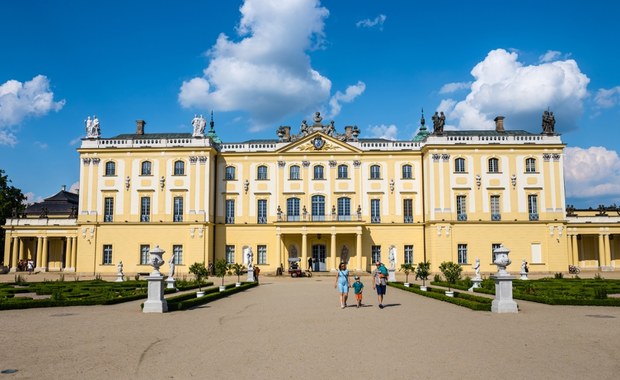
{"x": 259, "y": 64}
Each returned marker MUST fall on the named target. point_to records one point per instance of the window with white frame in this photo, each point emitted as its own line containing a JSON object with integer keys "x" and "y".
{"x": 144, "y": 254}
{"x": 262, "y": 254}
{"x": 318, "y": 172}
{"x": 178, "y": 209}
{"x": 110, "y": 168}
{"x": 145, "y": 209}
{"x": 495, "y": 207}
{"x": 108, "y": 209}
{"x": 230, "y": 174}
{"x": 261, "y": 172}
{"x": 145, "y": 168}
{"x": 462, "y": 253}
{"x": 107, "y": 254}
{"x": 179, "y": 168}
{"x": 375, "y": 252}
{"x": 461, "y": 207}
{"x": 230, "y": 211}
{"x": 343, "y": 172}
{"x": 532, "y": 206}
{"x": 407, "y": 171}
{"x": 262, "y": 211}
{"x": 408, "y": 254}
{"x": 292, "y": 209}
{"x": 530, "y": 165}
{"x": 294, "y": 172}
{"x": 375, "y": 211}
{"x": 408, "y": 210}
{"x": 493, "y": 165}
{"x": 177, "y": 250}
{"x": 344, "y": 208}
{"x": 318, "y": 208}
{"x": 230, "y": 254}
{"x": 375, "y": 172}
{"x": 459, "y": 165}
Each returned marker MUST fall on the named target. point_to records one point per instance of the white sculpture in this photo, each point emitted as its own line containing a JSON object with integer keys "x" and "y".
{"x": 249, "y": 257}
{"x": 199, "y": 123}
{"x": 92, "y": 127}
{"x": 120, "y": 267}
{"x": 171, "y": 263}
{"x": 392, "y": 257}
{"x": 477, "y": 268}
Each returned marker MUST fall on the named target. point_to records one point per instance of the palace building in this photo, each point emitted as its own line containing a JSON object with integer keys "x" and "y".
{"x": 316, "y": 194}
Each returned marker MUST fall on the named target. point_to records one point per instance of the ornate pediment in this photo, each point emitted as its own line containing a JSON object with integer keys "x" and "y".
{"x": 351, "y": 133}
{"x": 318, "y": 142}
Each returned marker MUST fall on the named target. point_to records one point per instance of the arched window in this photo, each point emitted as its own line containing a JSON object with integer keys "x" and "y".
{"x": 110, "y": 168}
{"x": 407, "y": 172}
{"x": 318, "y": 208}
{"x": 459, "y": 165}
{"x": 179, "y": 168}
{"x": 375, "y": 172}
{"x": 293, "y": 172}
{"x": 530, "y": 165}
{"x": 318, "y": 172}
{"x": 261, "y": 172}
{"x": 292, "y": 209}
{"x": 493, "y": 165}
{"x": 145, "y": 168}
{"x": 230, "y": 173}
{"x": 343, "y": 171}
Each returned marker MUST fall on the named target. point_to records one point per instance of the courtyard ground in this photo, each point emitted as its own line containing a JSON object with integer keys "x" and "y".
{"x": 294, "y": 328}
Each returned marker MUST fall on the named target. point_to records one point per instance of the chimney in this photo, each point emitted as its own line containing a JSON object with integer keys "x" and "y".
{"x": 499, "y": 124}
{"x": 63, "y": 188}
{"x": 140, "y": 127}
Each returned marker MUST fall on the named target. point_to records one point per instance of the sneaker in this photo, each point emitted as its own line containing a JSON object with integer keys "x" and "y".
{"x": 380, "y": 306}
{"x": 342, "y": 306}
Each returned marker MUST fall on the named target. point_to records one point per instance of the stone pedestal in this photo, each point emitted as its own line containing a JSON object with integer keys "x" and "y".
{"x": 171, "y": 283}
{"x": 251, "y": 275}
{"x": 120, "y": 277}
{"x": 155, "y": 302}
{"x": 476, "y": 284}
{"x": 503, "y": 302}
{"x": 523, "y": 276}
{"x": 391, "y": 275}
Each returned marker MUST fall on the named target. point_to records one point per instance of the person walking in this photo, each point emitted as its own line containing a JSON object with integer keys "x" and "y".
{"x": 256, "y": 273}
{"x": 379, "y": 277}
{"x": 342, "y": 284}
{"x": 358, "y": 287}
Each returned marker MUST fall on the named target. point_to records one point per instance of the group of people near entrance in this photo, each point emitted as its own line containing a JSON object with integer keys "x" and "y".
{"x": 379, "y": 283}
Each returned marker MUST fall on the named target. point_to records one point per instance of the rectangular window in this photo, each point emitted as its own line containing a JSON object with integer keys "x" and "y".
{"x": 495, "y": 213}
{"x": 344, "y": 209}
{"x": 375, "y": 172}
{"x": 107, "y": 254}
{"x": 494, "y": 246}
{"x": 461, "y": 210}
{"x": 409, "y": 254}
{"x": 318, "y": 172}
{"x": 536, "y": 253}
{"x": 262, "y": 211}
{"x": 493, "y": 165}
{"x": 407, "y": 172}
{"x": 462, "y": 253}
{"x": 261, "y": 174}
{"x": 230, "y": 254}
{"x": 292, "y": 209}
{"x": 177, "y": 250}
{"x": 230, "y": 173}
{"x": 530, "y": 165}
{"x": 408, "y": 210}
{"x": 375, "y": 211}
{"x": 376, "y": 253}
{"x": 459, "y": 165}
{"x": 108, "y": 209}
{"x": 144, "y": 254}
{"x": 230, "y": 211}
{"x": 178, "y": 209}
{"x": 262, "y": 254}
{"x": 294, "y": 172}
{"x": 532, "y": 206}
{"x": 343, "y": 172}
{"x": 179, "y": 168}
{"x": 145, "y": 209}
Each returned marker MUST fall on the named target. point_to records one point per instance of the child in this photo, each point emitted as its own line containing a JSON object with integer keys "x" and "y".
{"x": 358, "y": 287}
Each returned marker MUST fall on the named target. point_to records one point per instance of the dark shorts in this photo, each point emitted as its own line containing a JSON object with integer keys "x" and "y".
{"x": 381, "y": 289}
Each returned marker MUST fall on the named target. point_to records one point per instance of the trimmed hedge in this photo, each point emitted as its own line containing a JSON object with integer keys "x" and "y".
{"x": 461, "y": 299}
{"x": 187, "y": 301}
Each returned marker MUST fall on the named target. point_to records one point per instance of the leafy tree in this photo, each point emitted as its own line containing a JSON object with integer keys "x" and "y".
{"x": 451, "y": 271}
{"x": 407, "y": 268}
{"x": 424, "y": 269}
{"x": 222, "y": 269}
{"x": 200, "y": 272}
{"x": 237, "y": 270}
{"x": 11, "y": 202}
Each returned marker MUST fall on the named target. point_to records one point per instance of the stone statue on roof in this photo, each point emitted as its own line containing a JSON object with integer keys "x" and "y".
{"x": 439, "y": 120}
{"x": 92, "y": 127}
{"x": 548, "y": 122}
{"x": 199, "y": 123}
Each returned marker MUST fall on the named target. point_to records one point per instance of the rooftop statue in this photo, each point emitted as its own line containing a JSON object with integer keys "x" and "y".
{"x": 199, "y": 123}
{"x": 439, "y": 120}
{"x": 351, "y": 132}
{"x": 548, "y": 122}
{"x": 92, "y": 127}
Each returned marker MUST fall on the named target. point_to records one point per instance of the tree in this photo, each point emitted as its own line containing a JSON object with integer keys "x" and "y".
{"x": 424, "y": 269}
{"x": 407, "y": 268}
{"x": 222, "y": 269}
{"x": 200, "y": 272}
{"x": 451, "y": 271}
{"x": 11, "y": 203}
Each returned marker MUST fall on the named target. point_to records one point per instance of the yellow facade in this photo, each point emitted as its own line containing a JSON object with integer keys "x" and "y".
{"x": 449, "y": 196}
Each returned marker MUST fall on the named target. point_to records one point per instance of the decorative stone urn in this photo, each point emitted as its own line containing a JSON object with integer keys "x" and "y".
{"x": 503, "y": 302}
{"x": 502, "y": 260}
{"x": 156, "y": 260}
{"x": 155, "y": 303}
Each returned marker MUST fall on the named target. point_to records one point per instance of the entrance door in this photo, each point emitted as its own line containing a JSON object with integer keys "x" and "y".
{"x": 318, "y": 258}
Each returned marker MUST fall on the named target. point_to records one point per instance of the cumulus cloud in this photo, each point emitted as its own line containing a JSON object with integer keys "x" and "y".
{"x": 267, "y": 73}
{"x": 592, "y": 172}
{"x": 376, "y": 22}
{"x": 607, "y": 98}
{"x": 550, "y": 56}
{"x": 19, "y": 101}
{"x": 75, "y": 188}
{"x": 449, "y": 88}
{"x": 383, "y": 131}
{"x": 32, "y": 198}
{"x": 505, "y": 86}
{"x": 348, "y": 96}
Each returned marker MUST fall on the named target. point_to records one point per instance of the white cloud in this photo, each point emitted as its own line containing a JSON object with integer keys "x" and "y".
{"x": 383, "y": 131}
{"x": 592, "y": 172}
{"x": 549, "y": 56}
{"x": 505, "y": 86}
{"x": 449, "y": 88}
{"x": 19, "y": 101}
{"x": 368, "y": 23}
{"x": 605, "y": 98}
{"x": 75, "y": 188}
{"x": 349, "y": 95}
{"x": 268, "y": 72}
{"x": 32, "y": 198}
{"x": 40, "y": 145}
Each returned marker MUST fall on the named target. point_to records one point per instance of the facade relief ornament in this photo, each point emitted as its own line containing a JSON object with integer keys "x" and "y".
{"x": 202, "y": 159}
{"x": 193, "y": 159}
{"x": 86, "y": 160}
{"x": 96, "y": 161}
{"x": 284, "y": 132}
{"x": 281, "y": 163}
